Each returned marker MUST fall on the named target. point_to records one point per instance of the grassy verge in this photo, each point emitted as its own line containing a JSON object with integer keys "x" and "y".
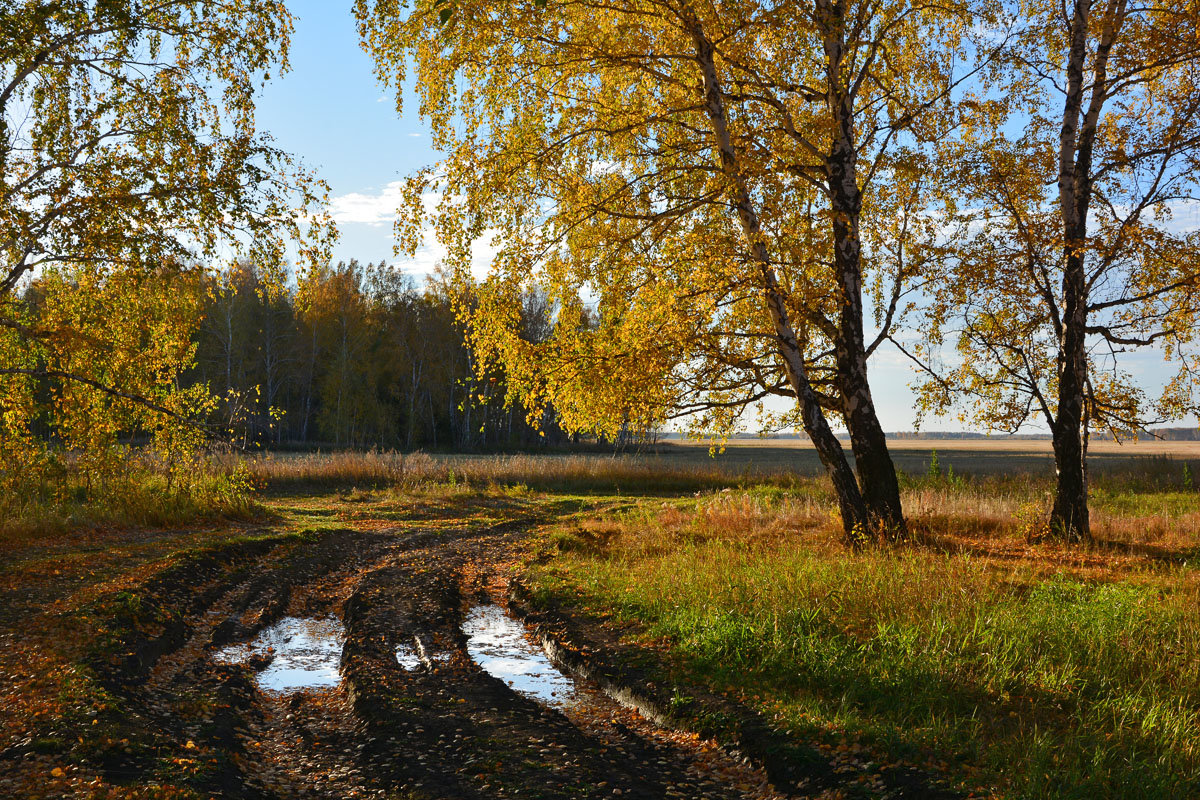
{"x": 1016, "y": 669}
{"x": 138, "y": 496}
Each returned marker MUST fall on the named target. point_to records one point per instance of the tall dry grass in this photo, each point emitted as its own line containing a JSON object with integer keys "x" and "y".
{"x": 142, "y": 494}
{"x": 558, "y": 472}
{"x": 1144, "y": 505}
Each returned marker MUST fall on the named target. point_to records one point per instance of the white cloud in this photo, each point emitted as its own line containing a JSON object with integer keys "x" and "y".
{"x": 483, "y": 250}
{"x": 375, "y": 210}
{"x": 414, "y": 135}
{"x": 381, "y": 98}
{"x": 378, "y": 209}
{"x": 1185, "y": 217}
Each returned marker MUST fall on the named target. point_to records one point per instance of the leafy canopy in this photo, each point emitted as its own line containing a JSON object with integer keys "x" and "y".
{"x": 129, "y": 158}
{"x": 577, "y": 138}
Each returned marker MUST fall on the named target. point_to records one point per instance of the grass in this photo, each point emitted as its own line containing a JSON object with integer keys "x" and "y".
{"x": 139, "y": 495}
{"x": 1016, "y": 669}
{"x": 583, "y": 473}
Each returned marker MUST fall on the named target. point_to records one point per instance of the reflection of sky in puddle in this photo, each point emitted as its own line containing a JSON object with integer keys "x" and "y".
{"x": 307, "y": 652}
{"x": 497, "y": 642}
{"x": 407, "y": 656}
{"x": 412, "y": 658}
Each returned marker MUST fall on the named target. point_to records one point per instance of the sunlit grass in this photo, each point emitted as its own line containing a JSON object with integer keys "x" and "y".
{"x": 606, "y": 473}
{"x": 1034, "y": 669}
{"x": 141, "y": 496}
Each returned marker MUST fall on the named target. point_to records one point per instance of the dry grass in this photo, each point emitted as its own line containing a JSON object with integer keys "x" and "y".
{"x": 1138, "y": 512}
{"x": 138, "y": 496}
{"x": 1058, "y": 671}
{"x": 991, "y": 528}
{"x": 562, "y": 472}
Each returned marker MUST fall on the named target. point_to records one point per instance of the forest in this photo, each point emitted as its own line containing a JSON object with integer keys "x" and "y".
{"x": 355, "y": 356}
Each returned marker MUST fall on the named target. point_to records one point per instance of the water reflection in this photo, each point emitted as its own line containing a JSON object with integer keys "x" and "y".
{"x": 498, "y": 643}
{"x": 301, "y": 653}
{"x": 407, "y": 657}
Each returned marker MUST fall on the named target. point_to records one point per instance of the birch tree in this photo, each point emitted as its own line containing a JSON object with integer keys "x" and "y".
{"x": 1077, "y": 264}
{"x": 128, "y": 155}
{"x": 692, "y": 185}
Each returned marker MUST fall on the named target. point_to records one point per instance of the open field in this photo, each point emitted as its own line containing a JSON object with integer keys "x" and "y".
{"x": 695, "y": 462}
{"x": 971, "y": 661}
{"x": 973, "y": 456}
{"x": 140, "y": 497}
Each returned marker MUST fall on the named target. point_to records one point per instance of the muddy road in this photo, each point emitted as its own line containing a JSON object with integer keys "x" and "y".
{"x": 336, "y": 664}
{"x": 409, "y": 713}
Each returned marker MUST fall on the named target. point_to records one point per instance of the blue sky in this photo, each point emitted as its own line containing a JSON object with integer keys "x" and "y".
{"x": 332, "y": 113}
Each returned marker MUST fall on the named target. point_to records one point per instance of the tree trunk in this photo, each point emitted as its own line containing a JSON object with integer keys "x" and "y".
{"x": 872, "y": 460}
{"x": 432, "y": 420}
{"x": 417, "y": 367}
{"x": 855, "y": 520}
{"x": 1069, "y": 516}
{"x": 308, "y": 386}
{"x": 876, "y": 472}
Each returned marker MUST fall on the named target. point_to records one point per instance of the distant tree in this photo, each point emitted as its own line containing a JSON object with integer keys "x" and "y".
{"x": 354, "y": 355}
{"x": 334, "y": 302}
{"x": 245, "y": 347}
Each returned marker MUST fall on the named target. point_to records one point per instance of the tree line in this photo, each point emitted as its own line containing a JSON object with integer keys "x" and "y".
{"x": 352, "y": 355}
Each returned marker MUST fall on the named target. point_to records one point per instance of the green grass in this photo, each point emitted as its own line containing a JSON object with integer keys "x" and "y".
{"x": 1030, "y": 676}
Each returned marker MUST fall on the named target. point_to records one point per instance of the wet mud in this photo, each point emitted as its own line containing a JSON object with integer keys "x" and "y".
{"x": 388, "y": 665}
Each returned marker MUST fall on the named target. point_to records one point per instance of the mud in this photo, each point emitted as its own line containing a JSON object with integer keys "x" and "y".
{"x": 412, "y": 704}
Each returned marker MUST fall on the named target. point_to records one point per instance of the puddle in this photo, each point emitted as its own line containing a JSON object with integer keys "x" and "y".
{"x": 497, "y": 642}
{"x": 421, "y": 655}
{"x": 304, "y": 654}
{"x": 407, "y": 657}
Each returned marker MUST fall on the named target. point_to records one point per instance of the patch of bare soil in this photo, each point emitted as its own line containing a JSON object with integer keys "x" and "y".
{"x": 177, "y": 722}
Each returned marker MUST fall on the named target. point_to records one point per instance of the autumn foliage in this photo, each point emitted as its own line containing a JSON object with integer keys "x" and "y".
{"x": 129, "y": 165}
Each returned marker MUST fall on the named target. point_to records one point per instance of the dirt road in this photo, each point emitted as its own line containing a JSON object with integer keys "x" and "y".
{"x": 177, "y": 716}
{"x": 174, "y": 720}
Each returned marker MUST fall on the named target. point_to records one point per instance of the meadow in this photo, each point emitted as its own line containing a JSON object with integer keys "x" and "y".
{"x": 1001, "y": 663}
{"x": 1019, "y": 666}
